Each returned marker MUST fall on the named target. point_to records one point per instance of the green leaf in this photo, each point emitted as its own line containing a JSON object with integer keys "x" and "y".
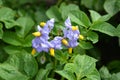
{"x": 59, "y": 55}
{"x": 1, "y": 3}
{"x": 54, "y": 12}
{"x": 25, "y": 62}
{"x": 94, "y": 75}
{"x": 87, "y": 3}
{"x": 79, "y": 50}
{"x": 10, "y": 23}
{"x": 104, "y": 73}
{"x": 25, "y": 1}
{"x": 104, "y": 27}
{"x": 7, "y": 17}
{"x": 49, "y": 66}
{"x": 105, "y": 17}
{"x": 93, "y": 4}
{"x": 3, "y": 54}
{"x": 80, "y": 18}
{"x": 12, "y": 49}
{"x": 118, "y": 31}
{"x": 67, "y": 74}
{"x": 70, "y": 67}
{"x": 9, "y": 72}
{"x": 118, "y": 75}
{"x": 6, "y": 13}
{"x": 1, "y": 31}
{"x": 57, "y": 30}
{"x": 27, "y": 42}
{"x": 30, "y": 66}
{"x": 85, "y": 45}
{"x": 113, "y": 66}
{"x": 40, "y": 16}
{"x": 84, "y": 65}
{"x": 11, "y": 38}
{"x": 42, "y": 74}
{"x": 26, "y": 25}
{"x": 66, "y": 9}
{"x": 92, "y": 36}
{"x": 50, "y": 79}
{"x": 112, "y": 6}
{"x": 94, "y": 15}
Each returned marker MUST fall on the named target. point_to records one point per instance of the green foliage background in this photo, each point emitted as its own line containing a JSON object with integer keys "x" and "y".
{"x": 95, "y": 58}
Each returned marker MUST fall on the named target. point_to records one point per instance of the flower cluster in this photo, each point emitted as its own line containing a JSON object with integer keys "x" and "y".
{"x": 41, "y": 41}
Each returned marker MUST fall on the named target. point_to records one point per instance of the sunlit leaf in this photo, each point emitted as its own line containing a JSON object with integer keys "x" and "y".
{"x": 94, "y": 75}
{"x": 84, "y": 65}
{"x": 67, "y": 74}
{"x": 80, "y": 18}
{"x": 112, "y": 6}
{"x": 94, "y": 15}
{"x": 104, "y": 73}
{"x": 70, "y": 67}
{"x": 104, "y": 27}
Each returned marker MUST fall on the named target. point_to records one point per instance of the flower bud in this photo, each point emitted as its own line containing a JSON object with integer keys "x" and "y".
{"x": 42, "y": 59}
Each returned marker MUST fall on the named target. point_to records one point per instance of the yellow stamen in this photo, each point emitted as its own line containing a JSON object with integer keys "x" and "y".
{"x": 42, "y": 24}
{"x": 36, "y": 34}
{"x": 74, "y": 28}
{"x": 52, "y": 52}
{"x": 81, "y": 37}
{"x": 33, "y": 52}
{"x": 70, "y": 50}
{"x": 65, "y": 42}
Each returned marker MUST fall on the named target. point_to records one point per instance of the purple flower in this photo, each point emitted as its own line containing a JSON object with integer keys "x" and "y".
{"x": 68, "y": 23}
{"x": 55, "y": 43}
{"x": 71, "y": 33}
{"x": 73, "y": 43}
{"x": 40, "y": 44}
{"x": 44, "y": 33}
{"x": 49, "y": 25}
